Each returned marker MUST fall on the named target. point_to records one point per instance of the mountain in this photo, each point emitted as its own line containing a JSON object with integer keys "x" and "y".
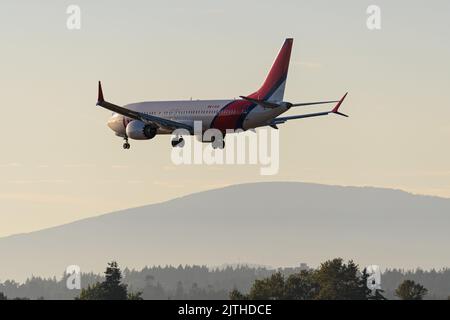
{"x": 276, "y": 223}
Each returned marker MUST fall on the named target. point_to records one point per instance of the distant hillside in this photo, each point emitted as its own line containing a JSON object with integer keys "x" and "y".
{"x": 277, "y": 224}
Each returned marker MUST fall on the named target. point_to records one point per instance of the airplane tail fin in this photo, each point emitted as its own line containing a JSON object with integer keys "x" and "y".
{"x": 273, "y": 87}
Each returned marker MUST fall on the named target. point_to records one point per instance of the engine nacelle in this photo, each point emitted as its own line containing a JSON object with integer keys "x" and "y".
{"x": 138, "y": 130}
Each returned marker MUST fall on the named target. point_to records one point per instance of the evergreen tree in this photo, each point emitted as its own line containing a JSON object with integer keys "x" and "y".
{"x": 179, "y": 292}
{"x": 409, "y": 290}
{"x": 111, "y": 288}
{"x": 271, "y": 288}
{"x": 340, "y": 281}
{"x": 235, "y": 294}
{"x": 301, "y": 286}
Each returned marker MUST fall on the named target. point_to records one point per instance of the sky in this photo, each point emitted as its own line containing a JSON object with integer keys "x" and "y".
{"x": 60, "y": 162}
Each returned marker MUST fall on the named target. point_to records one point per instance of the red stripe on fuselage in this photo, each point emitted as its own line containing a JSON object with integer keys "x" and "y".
{"x": 228, "y": 117}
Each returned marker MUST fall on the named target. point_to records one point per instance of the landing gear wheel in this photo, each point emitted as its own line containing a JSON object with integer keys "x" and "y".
{"x": 178, "y": 142}
{"x": 126, "y": 145}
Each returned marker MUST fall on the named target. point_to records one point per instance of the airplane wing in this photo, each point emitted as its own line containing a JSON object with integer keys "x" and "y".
{"x": 146, "y": 118}
{"x": 311, "y": 103}
{"x": 335, "y": 110}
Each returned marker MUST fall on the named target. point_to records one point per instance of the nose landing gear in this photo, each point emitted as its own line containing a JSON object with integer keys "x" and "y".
{"x": 178, "y": 142}
{"x": 126, "y": 145}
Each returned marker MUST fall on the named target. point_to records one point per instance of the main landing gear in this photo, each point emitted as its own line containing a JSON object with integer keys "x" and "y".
{"x": 178, "y": 142}
{"x": 126, "y": 145}
{"x": 219, "y": 144}
{"x": 216, "y": 144}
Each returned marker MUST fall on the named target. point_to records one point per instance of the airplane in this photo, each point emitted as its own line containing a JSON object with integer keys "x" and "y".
{"x": 145, "y": 120}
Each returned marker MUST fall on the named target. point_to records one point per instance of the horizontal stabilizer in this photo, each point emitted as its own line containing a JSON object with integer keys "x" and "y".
{"x": 273, "y": 105}
{"x": 335, "y": 110}
{"x": 310, "y": 103}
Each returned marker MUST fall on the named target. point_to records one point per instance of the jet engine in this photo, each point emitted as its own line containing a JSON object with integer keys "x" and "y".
{"x": 138, "y": 130}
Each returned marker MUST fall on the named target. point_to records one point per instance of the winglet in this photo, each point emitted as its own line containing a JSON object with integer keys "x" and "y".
{"x": 100, "y": 98}
{"x": 336, "y": 108}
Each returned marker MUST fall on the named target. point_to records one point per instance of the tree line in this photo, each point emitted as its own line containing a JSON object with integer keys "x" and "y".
{"x": 333, "y": 279}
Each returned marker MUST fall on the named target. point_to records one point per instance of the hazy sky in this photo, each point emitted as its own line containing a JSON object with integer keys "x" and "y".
{"x": 60, "y": 162}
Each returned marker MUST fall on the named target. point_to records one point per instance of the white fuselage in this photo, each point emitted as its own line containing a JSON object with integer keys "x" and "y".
{"x": 220, "y": 114}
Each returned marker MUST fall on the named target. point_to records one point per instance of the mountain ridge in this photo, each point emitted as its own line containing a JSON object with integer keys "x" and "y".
{"x": 268, "y": 223}
{"x": 200, "y": 192}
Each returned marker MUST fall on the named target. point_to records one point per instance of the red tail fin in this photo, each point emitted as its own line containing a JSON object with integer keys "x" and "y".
{"x": 273, "y": 87}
